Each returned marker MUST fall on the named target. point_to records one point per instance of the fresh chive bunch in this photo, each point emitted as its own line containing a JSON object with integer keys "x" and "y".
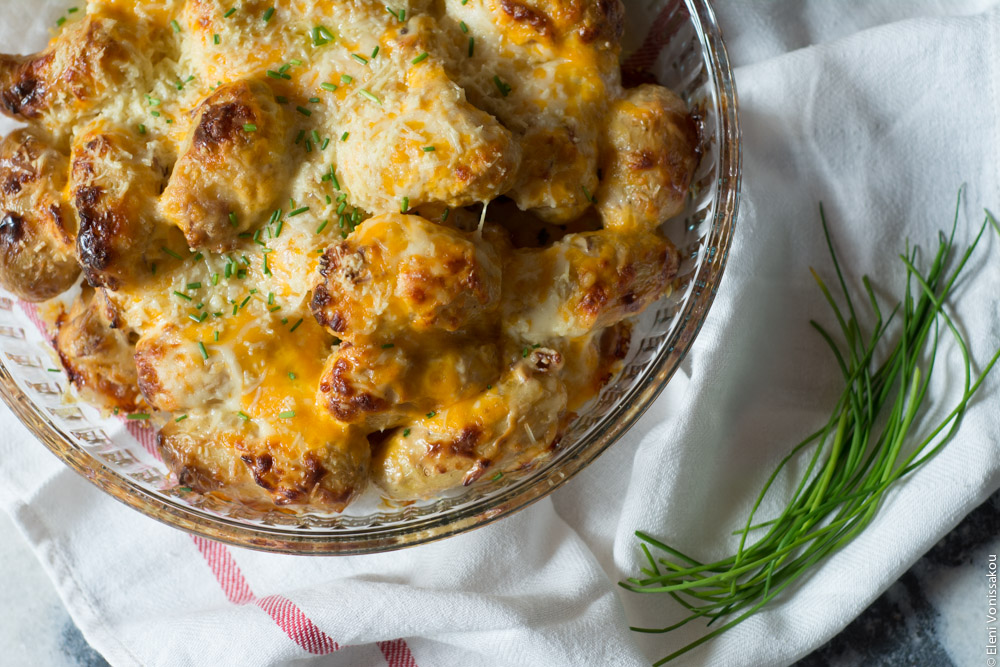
{"x": 857, "y": 456}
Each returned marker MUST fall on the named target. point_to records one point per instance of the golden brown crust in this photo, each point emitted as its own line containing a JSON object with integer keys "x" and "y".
{"x": 382, "y": 385}
{"x": 585, "y": 282}
{"x": 230, "y": 172}
{"x": 37, "y": 228}
{"x": 114, "y": 184}
{"x": 400, "y": 272}
{"x": 282, "y": 470}
{"x": 649, "y": 154}
{"x": 173, "y": 375}
{"x": 508, "y": 426}
{"x": 87, "y": 62}
{"x": 97, "y": 357}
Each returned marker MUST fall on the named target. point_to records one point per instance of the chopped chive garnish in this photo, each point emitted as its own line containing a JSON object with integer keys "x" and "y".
{"x": 216, "y": 38}
{"x": 314, "y": 100}
{"x": 287, "y": 415}
{"x": 402, "y": 15}
{"x": 388, "y": 346}
{"x": 247, "y": 300}
{"x": 154, "y": 114}
{"x": 245, "y": 260}
{"x": 138, "y": 415}
{"x": 298, "y": 211}
{"x": 368, "y": 95}
{"x": 392, "y": 11}
{"x": 281, "y": 99}
{"x": 268, "y": 14}
{"x": 406, "y": 432}
{"x": 194, "y": 318}
{"x": 244, "y": 416}
{"x": 201, "y": 348}
{"x": 309, "y": 146}
{"x": 274, "y": 75}
{"x": 346, "y": 78}
{"x": 198, "y": 257}
{"x": 142, "y": 129}
{"x": 322, "y": 226}
{"x": 236, "y": 309}
{"x": 277, "y": 230}
{"x": 194, "y": 285}
{"x": 428, "y": 149}
{"x": 404, "y": 205}
{"x": 183, "y": 296}
{"x": 53, "y": 370}
{"x": 152, "y": 268}
{"x": 274, "y": 309}
{"x": 200, "y": 306}
{"x": 315, "y": 136}
{"x": 292, "y": 376}
{"x": 342, "y": 197}
{"x": 419, "y": 59}
{"x": 333, "y": 174}
{"x": 341, "y": 207}
{"x": 343, "y": 137}
{"x": 304, "y": 111}
{"x": 229, "y": 13}
{"x": 586, "y": 193}
{"x": 472, "y": 47}
{"x": 464, "y": 27}
{"x": 361, "y": 59}
{"x": 326, "y": 142}
{"x": 178, "y": 420}
{"x": 464, "y": 2}
{"x": 296, "y": 62}
{"x": 374, "y": 52}
{"x": 431, "y": 414}
{"x": 215, "y": 334}
{"x": 175, "y": 25}
{"x": 60, "y": 21}
{"x": 249, "y": 127}
{"x": 444, "y": 216}
{"x": 300, "y": 137}
{"x": 296, "y": 325}
{"x": 489, "y": 386}
{"x": 501, "y": 86}
{"x": 496, "y": 476}
{"x": 229, "y": 270}
{"x": 328, "y": 86}
{"x": 270, "y": 298}
{"x": 72, "y": 10}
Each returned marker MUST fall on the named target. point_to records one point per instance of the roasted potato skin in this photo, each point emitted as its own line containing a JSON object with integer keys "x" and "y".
{"x": 228, "y": 176}
{"x": 37, "y": 227}
{"x": 648, "y": 156}
{"x": 398, "y": 273}
{"x": 381, "y": 386}
{"x": 585, "y": 282}
{"x": 263, "y": 472}
{"x": 114, "y": 184}
{"x": 97, "y": 354}
{"x": 67, "y": 82}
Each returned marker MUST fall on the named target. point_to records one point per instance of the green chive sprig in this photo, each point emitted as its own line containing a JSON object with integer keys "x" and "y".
{"x": 859, "y": 453}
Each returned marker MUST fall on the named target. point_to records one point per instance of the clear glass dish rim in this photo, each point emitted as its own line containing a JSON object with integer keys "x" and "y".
{"x": 484, "y": 511}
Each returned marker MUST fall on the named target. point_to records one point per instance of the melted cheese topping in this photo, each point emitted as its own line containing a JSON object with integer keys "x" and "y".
{"x": 240, "y": 173}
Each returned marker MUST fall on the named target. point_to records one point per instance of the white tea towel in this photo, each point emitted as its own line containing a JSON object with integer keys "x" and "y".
{"x": 878, "y": 109}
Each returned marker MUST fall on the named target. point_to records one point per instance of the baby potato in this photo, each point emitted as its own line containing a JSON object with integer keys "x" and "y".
{"x": 37, "y": 228}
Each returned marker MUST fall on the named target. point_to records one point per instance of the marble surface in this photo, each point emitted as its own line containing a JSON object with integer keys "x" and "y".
{"x": 934, "y": 616}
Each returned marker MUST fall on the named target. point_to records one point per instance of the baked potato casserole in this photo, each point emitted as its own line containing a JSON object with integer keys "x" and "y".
{"x": 327, "y": 243}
